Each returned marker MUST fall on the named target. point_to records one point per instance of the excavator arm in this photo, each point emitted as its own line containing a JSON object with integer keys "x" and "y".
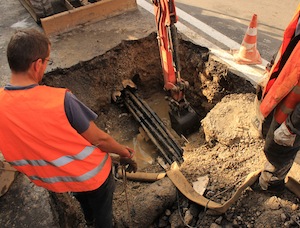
{"x": 184, "y": 119}
{"x": 165, "y": 15}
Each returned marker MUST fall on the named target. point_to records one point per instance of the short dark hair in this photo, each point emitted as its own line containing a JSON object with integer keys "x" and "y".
{"x": 25, "y": 47}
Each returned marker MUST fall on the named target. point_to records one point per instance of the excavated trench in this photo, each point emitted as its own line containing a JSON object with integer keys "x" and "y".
{"x": 94, "y": 81}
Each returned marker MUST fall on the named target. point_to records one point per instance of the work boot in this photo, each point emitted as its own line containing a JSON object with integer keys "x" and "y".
{"x": 276, "y": 189}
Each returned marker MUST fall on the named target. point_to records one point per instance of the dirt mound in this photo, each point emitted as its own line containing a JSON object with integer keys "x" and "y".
{"x": 230, "y": 120}
{"x": 233, "y": 151}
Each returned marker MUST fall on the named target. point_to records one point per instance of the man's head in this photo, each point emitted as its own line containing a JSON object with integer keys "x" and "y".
{"x": 25, "y": 48}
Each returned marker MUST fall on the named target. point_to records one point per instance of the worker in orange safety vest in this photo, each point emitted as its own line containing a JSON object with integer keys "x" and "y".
{"x": 50, "y": 136}
{"x": 280, "y": 108}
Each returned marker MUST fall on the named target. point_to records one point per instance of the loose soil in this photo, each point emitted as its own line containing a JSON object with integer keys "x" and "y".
{"x": 225, "y": 149}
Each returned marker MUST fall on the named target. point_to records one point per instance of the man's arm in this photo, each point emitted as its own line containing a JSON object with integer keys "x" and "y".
{"x": 104, "y": 141}
{"x": 82, "y": 119}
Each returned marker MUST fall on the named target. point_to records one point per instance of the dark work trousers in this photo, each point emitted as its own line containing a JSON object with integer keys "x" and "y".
{"x": 280, "y": 158}
{"x": 97, "y": 204}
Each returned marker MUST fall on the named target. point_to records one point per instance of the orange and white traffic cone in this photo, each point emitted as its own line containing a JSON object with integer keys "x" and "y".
{"x": 248, "y": 54}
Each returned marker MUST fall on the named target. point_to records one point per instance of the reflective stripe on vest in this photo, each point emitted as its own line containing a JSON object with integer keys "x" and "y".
{"x": 64, "y": 160}
{"x": 288, "y": 104}
{"x": 38, "y": 140}
{"x": 81, "y": 178}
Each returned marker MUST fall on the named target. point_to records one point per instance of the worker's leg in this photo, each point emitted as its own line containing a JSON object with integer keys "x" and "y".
{"x": 87, "y": 210}
{"x": 97, "y": 204}
{"x": 280, "y": 160}
{"x": 101, "y": 202}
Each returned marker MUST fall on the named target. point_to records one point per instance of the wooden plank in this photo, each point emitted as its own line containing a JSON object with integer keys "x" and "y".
{"x": 90, "y": 13}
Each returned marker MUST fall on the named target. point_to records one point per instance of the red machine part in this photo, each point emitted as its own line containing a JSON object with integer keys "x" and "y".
{"x": 184, "y": 119}
{"x": 165, "y": 15}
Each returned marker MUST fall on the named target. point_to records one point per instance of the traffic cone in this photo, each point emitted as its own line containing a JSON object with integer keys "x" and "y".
{"x": 248, "y": 54}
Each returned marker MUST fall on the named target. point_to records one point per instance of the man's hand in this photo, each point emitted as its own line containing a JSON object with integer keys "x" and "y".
{"x": 131, "y": 152}
{"x": 131, "y": 165}
{"x": 283, "y": 136}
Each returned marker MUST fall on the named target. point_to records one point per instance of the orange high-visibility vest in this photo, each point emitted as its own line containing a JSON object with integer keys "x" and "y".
{"x": 38, "y": 140}
{"x": 288, "y": 104}
{"x": 288, "y": 77}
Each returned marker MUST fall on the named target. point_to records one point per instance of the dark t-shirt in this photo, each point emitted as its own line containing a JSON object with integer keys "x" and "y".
{"x": 78, "y": 114}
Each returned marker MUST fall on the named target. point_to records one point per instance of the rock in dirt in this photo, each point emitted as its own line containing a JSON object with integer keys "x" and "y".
{"x": 294, "y": 207}
{"x": 283, "y": 217}
{"x": 188, "y": 217}
{"x": 200, "y": 185}
{"x": 163, "y": 222}
{"x": 150, "y": 204}
{"x": 214, "y": 225}
{"x": 219, "y": 220}
{"x": 175, "y": 220}
{"x": 273, "y": 203}
{"x": 269, "y": 219}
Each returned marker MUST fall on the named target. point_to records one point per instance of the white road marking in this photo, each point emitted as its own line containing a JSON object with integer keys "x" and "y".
{"x": 251, "y": 73}
{"x": 21, "y": 24}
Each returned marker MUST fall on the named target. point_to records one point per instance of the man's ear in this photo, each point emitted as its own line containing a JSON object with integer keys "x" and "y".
{"x": 37, "y": 64}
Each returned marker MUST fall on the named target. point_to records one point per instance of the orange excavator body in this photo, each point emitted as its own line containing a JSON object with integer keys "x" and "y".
{"x": 165, "y": 15}
{"x": 184, "y": 119}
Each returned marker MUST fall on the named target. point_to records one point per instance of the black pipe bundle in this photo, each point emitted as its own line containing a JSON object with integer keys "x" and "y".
{"x": 154, "y": 127}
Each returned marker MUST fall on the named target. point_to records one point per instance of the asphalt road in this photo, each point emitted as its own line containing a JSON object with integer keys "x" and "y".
{"x": 228, "y": 19}
{"x": 232, "y": 17}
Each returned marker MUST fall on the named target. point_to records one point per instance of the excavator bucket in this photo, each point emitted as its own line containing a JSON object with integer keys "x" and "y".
{"x": 184, "y": 122}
